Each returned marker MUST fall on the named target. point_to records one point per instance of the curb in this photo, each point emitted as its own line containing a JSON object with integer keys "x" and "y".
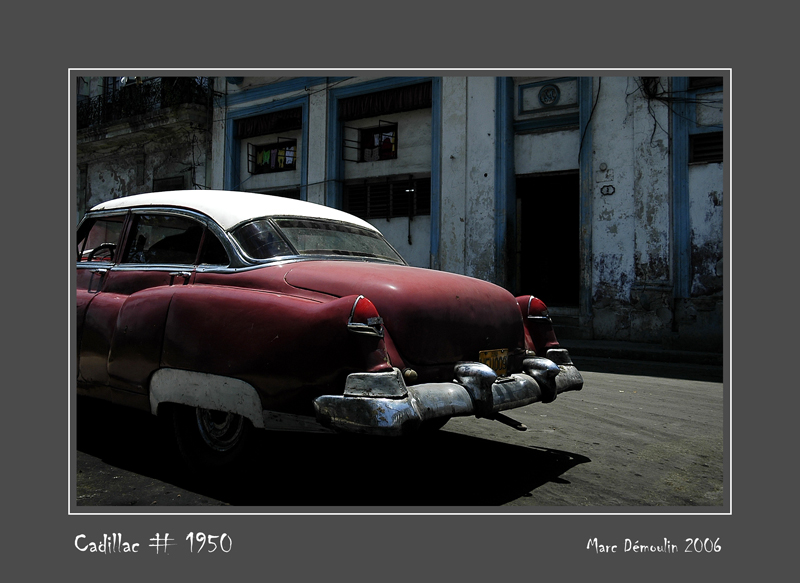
{"x": 636, "y": 351}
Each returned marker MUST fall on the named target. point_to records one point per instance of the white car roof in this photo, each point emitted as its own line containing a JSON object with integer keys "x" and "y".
{"x": 229, "y": 208}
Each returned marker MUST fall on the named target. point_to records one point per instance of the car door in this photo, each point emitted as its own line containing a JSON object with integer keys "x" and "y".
{"x": 124, "y": 322}
{"x": 99, "y": 242}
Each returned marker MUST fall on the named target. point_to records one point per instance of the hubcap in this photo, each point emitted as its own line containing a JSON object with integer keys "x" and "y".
{"x": 221, "y": 431}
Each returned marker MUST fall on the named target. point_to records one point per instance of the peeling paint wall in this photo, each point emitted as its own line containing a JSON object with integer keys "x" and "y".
{"x": 633, "y": 246}
{"x": 546, "y": 152}
{"x": 701, "y": 315}
{"x": 633, "y": 240}
{"x": 136, "y": 161}
{"x": 123, "y": 158}
{"x": 614, "y": 233}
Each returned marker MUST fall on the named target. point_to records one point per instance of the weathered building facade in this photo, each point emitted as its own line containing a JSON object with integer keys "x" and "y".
{"x": 601, "y": 195}
{"x": 140, "y": 134}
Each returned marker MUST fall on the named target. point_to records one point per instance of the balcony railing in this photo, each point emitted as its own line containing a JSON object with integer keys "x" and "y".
{"x": 142, "y": 98}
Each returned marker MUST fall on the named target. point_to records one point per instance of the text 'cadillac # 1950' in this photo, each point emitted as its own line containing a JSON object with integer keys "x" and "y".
{"x": 229, "y": 311}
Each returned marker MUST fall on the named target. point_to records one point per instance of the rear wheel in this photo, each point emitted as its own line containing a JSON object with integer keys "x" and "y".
{"x": 209, "y": 439}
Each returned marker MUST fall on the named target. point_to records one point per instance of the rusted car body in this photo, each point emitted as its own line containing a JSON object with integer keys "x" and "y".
{"x": 229, "y": 311}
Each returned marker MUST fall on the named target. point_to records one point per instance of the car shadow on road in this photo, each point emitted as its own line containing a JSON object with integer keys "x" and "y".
{"x": 673, "y": 370}
{"x": 309, "y": 472}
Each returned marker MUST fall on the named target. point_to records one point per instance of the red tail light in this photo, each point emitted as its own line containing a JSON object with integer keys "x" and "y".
{"x": 539, "y": 334}
{"x": 367, "y": 325}
{"x": 364, "y": 318}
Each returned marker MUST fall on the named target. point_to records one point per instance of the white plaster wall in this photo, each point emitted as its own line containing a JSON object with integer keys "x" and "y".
{"x": 546, "y": 152}
{"x": 467, "y": 224}
{"x": 651, "y": 187}
{"x": 480, "y": 178}
{"x": 706, "y": 206}
{"x": 710, "y": 109}
{"x": 396, "y": 231}
{"x": 317, "y": 146}
{"x": 706, "y": 220}
{"x": 613, "y": 233}
{"x": 453, "y": 206}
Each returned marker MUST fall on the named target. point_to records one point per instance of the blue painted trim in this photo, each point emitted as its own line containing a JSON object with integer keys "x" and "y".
{"x": 230, "y": 161}
{"x": 505, "y": 183}
{"x": 280, "y": 88}
{"x": 585, "y": 163}
{"x": 557, "y": 121}
{"x": 334, "y": 167}
{"x": 681, "y": 228}
{"x": 233, "y": 161}
{"x": 436, "y": 170}
{"x": 376, "y": 85}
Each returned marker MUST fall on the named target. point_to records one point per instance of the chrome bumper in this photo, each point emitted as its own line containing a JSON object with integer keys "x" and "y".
{"x": 381, "y": 403}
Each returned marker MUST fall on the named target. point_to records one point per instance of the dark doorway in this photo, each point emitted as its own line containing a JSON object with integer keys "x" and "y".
{"x": 548, "y": 237}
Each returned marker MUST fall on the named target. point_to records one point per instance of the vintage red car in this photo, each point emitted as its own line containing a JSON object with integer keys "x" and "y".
{"x": 229, "y": 311}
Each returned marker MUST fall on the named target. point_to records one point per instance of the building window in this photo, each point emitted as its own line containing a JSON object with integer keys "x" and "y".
{"x": 703, "y": 82}
{"x": 389, "y": 198}
{"x": 275, "y": 122}
{"x": 165, "y": 184}
{"x": 280, "y": 156}
{"x": 705, "y": 147}
{"x": 378, "y": 143}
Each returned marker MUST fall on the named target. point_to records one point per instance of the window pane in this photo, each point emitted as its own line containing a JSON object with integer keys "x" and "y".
{"x": 313, "y": 237}
{"x": 706, "y": 147}
{"x": 260, "y": 240}
{"x": 100, "y": 232}
{"x": 213, "y": 252}
{"x": 164, "y": 239}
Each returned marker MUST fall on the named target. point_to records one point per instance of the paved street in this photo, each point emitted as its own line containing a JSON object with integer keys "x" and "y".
{"x": 642, "y": 435}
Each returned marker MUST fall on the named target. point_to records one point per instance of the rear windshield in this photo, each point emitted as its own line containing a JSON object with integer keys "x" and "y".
{"x": 264, "y": 239}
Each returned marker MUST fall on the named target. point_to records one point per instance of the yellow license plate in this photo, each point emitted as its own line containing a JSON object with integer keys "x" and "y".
{"x": 497, "y": 360}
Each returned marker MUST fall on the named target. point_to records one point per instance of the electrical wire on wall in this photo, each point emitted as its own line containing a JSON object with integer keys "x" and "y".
{"x": 653, "y": 90}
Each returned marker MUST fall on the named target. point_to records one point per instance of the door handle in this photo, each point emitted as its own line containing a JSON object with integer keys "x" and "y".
{"x": 184, "y": 274}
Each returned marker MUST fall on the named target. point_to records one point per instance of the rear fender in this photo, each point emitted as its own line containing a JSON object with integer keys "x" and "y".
{"x": 197, "y": 389}
{"x": 278, "y": 344}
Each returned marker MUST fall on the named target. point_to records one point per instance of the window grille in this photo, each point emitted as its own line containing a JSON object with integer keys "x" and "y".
{"x": 705, "y": 147}
{"x": 702, "y": 82}
{"x": 372, "y": 144}
{"x": 280, "y": 156}
{"x": 391, "y": 198}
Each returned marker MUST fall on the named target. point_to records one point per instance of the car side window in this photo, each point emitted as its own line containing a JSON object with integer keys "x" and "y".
{"x": 168, "y": 239}
{"x": 171, "y": 239}
{"x": 98, "y": 239}
{"x": 213, "y": 253}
